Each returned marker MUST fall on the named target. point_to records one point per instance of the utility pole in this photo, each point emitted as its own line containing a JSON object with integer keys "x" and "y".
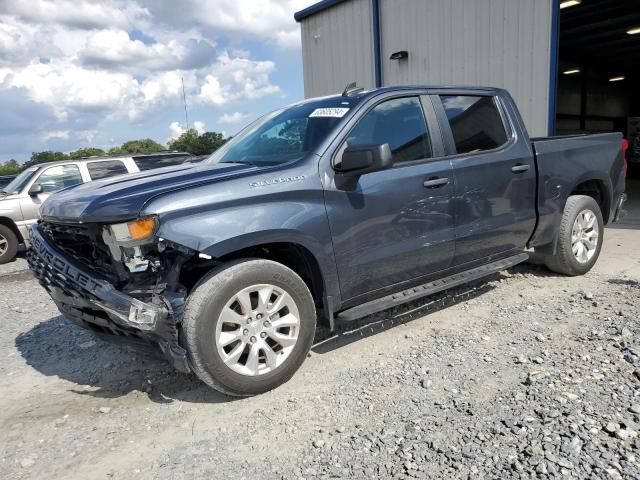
{"x": 184, "y": 99}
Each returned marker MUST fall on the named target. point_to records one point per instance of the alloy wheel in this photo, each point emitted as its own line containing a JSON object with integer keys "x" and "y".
{"x": 4, "y": 245}
{"x": 585, "y": 236}
{"x": 257, "y": 329}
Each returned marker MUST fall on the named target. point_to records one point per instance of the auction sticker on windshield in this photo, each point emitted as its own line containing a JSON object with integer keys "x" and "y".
{"x": 336, "y": 112}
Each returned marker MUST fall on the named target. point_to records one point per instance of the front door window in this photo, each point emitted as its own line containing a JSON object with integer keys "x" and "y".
{"x": 59, "y": 177}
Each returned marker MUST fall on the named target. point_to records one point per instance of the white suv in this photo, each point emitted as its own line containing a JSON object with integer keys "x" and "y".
{"x": 20, "y": 200}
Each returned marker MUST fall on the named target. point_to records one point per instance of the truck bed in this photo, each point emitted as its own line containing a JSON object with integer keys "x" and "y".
{"x": 566, "y": 165}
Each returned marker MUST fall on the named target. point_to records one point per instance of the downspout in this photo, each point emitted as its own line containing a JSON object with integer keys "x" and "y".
{"x": 553, "y": 66}
{"x": 377, "y": 60}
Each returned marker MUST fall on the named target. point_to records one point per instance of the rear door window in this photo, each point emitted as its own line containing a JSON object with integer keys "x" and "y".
{"x": 159, "y": 161}
{"x": 111, "y": 168}
{"x": 398, "y": 122}
{"x": 59, "y": 177}
{"x": 475, "y": 122}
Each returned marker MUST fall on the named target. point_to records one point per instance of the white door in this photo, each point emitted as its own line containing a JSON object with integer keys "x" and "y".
{"x": 51, "y": 180}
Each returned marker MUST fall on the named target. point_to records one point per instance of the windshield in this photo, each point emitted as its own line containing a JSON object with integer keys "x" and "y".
{"x": 285, "y": 135}
{"x": 18, "y": 183}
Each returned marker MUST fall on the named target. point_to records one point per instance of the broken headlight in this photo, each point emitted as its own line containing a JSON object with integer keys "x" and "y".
{"x": 135, "y": 231}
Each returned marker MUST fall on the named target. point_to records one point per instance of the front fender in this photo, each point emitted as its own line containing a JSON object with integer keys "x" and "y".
{"x": 222, "y": 231}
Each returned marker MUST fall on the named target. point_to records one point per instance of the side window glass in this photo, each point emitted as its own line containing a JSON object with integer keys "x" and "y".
{"x": 158, "y": 161}
{"x": 475, "y": 122}
{"x": 59, "y": 177}
{"x": 111, "y": 168}
{"x": 398, "y": 122}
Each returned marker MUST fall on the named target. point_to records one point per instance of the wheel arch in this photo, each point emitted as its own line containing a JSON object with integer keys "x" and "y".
{"x": 597, "y": 189}
{"x": 7, "y": 222}
{"x": 313, "y": 267}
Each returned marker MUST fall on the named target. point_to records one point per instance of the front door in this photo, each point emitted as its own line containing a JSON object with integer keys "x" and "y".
{"x": 495, "y": 179}
{"x": 51, "y": 180}
{"x": 395, "y": 225}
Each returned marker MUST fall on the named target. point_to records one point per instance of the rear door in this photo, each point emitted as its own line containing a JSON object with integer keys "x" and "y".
{"x": 495, "y": 178}
{"x": 396, "y": 225}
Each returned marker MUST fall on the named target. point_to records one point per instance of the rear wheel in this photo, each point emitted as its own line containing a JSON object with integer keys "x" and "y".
{"x": 8, "y": 244}
{"x": 248, "y": 326}
{"x": 580, "y": 237}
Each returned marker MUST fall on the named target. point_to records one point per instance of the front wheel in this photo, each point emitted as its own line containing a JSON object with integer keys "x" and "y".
{"x": 580, "y": 237}
{"x": 248, "y": 326}
{"x": 8, "y": 244}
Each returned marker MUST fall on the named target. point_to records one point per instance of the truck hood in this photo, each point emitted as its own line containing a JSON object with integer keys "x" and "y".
{"x": 122, "y": 198}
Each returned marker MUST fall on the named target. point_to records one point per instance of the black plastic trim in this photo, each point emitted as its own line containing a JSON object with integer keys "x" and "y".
{"x": 429, "y": 288}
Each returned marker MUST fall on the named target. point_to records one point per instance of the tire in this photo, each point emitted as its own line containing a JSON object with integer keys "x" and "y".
{"x": 8, "y": 244}
{"x": 216, "y": 299}
{"x": 564, "y": 260}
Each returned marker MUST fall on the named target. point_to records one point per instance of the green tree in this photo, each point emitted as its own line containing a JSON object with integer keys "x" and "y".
{"x": 193, "y": 142}
{"x": 46, "y": 156}
{"x": 10, "y": 167}
{"x": 115, "y": 151}
{"x": 86, "y": 152}
{"x": 138, "y": 146}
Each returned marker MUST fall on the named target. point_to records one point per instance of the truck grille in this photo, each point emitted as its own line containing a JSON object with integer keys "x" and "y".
{"x": 82, "y": 243}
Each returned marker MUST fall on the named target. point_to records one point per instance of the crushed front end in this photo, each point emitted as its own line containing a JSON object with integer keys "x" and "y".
{"x": 123, "y": 289}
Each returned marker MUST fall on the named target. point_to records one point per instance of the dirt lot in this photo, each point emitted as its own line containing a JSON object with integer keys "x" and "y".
{"x": 526, "y": 374}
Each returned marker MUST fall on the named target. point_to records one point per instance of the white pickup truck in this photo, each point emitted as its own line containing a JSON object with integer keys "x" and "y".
{"x": 20, "y": 200}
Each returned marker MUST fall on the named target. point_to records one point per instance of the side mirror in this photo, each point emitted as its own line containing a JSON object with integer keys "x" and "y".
{"x": 36, "y": 189}
{"x": 361, "y": 159}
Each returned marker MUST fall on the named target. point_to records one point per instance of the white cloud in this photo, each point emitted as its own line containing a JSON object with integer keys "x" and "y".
{"x": 20, "y": 43}
{"x": 69, "y": 88}
{"x": 76, "y": 70}
{"x": 234, "y": 78}
{"x": 82, "y": 14}
{"x": 166, "y": 86}
{"x": 55, "y": 134}
{"x": 212, "y": 92}
{"x": 289, "y": 39}
{"x": 232, "y": 118}
{"x": 199, "y": 127}
{"x": 114, "y": 49}
{"x": 177, "y": 129}
{"x": 86, "y": 136}
{"x": 66, "y": 86}
{"x": 270, "y": 19}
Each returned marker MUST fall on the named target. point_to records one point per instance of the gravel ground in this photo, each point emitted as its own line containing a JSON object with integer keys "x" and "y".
{"x": 523, "y": 375}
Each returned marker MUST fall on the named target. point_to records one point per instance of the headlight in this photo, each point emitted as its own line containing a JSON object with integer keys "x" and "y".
{"x": 136, "y": 230}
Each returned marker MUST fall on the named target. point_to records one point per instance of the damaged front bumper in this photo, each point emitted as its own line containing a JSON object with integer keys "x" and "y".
{"x": 97, "y": 305}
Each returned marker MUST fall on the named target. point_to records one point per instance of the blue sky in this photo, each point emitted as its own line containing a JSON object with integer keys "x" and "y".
{"x": 77, "y": 73}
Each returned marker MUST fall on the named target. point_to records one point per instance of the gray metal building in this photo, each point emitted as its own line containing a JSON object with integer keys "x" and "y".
{"x": 513, "y": 44}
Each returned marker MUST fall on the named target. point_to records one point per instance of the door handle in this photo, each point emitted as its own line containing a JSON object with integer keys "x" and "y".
{"x": 435, "y": 182}
{"x": 520, "y": 168}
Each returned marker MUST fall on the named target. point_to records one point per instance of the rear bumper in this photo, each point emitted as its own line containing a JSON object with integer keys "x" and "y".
{"x": 95, "y": 304}
{"x": 619, "y": 204}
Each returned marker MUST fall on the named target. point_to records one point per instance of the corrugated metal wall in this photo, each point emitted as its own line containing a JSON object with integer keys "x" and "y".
{"x": 337, "y": 48}
{"x": 499, "y": 43}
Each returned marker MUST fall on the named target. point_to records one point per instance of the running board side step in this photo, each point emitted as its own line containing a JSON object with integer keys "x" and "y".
{"x": 430, "y": 288}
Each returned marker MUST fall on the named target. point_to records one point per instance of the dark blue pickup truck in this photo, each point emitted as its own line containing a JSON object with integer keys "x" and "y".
{"x": 344, "y": 205}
